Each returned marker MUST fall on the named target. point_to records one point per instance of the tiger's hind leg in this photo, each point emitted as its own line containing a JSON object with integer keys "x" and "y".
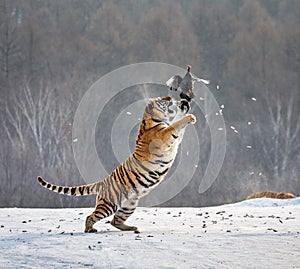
{"x": 103, "y": 209}
{"x": 123, "y": 214}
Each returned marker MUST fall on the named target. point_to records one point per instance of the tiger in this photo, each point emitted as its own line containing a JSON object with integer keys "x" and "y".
{"x": 159, "y": 135}
{"x": 272, "y": 194}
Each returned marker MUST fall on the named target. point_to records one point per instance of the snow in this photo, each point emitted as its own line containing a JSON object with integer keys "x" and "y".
{"x": 258, "y": 233}
{"x": 234, "y": 129}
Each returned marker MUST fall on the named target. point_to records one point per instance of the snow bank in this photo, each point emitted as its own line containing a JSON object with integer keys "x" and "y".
{"x": 267, "y": 202}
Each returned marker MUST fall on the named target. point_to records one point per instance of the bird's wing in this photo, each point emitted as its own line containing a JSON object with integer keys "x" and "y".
{"x": 174, "y": 82}
{"x": 202, "y": 80}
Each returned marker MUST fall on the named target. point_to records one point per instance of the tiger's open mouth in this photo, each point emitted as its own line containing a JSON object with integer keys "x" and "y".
{"x": 184, "y": 105}
{"x": 175, "y": 107}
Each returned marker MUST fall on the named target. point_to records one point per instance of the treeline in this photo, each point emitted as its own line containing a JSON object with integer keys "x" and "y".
{"x": 51, "y": 51}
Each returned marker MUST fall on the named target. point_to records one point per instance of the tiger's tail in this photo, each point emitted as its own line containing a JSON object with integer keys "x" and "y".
{"x": 88, "y": 189}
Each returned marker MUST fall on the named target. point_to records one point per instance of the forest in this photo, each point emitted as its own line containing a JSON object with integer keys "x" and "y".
{"x": 52, "y": 51}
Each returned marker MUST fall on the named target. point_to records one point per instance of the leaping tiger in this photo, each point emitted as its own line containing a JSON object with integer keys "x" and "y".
{"x": 160, "y": 133}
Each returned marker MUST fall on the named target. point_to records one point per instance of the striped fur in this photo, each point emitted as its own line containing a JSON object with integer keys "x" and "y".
{"x": 76, "y": 191}
{"x": 159, "y": 136}
{"x": 271, "y": 194}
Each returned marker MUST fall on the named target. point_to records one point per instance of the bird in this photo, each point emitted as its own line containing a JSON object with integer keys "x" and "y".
{"x": 186, "y": 84}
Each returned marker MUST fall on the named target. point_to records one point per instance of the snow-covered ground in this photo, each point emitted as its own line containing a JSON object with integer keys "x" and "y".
{"x": 259, "y": 233}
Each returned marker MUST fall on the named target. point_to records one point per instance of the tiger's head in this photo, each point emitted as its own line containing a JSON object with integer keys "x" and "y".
{"x": 164, "y": 110}
{"x": 159, "y": 113}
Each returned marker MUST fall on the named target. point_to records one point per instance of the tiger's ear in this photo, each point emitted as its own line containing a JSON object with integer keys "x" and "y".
{"x": 151, "y": 102}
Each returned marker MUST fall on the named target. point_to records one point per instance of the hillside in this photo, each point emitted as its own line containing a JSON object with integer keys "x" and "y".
{"x": 259, "y": 233}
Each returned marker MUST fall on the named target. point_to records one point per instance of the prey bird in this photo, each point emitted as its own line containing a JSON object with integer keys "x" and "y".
{"x": 185, "y": 84}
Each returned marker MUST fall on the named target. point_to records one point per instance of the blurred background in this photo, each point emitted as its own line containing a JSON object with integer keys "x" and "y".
{"x": 51, "y": 52}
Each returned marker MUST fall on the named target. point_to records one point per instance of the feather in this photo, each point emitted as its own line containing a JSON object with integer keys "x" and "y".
{"x": 202, "y": 80}
{"x": 174, "y": 82}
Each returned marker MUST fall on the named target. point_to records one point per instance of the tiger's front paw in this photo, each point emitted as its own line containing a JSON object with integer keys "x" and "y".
{"x": 191, "y": 119}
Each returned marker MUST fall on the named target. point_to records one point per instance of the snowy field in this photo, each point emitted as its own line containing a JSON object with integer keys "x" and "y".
{"x": 259, "y": 233}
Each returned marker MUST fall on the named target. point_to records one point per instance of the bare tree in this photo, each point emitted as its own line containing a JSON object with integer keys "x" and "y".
{"x": 278, "y": 137}
{"x": 9, "y": 47}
